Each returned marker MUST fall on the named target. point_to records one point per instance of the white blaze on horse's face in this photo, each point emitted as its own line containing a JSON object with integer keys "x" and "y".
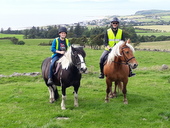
{"x": 83, "y": 67}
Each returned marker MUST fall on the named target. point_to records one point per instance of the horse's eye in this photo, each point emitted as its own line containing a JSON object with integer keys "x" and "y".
{"x": 127, "y": 52}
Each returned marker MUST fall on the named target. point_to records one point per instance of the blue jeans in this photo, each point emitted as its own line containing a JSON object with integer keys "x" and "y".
{"x": 54, "y": 59}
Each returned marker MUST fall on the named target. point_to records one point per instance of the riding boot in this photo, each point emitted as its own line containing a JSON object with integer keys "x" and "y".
{"x": 50, "y": 81}
{"x": 131, "y": 74}
{"x": 101, "y": 76}
{"x": 51, "y": 72}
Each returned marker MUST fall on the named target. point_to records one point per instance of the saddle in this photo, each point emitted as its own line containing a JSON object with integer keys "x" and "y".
{"x": 105, "y": 59}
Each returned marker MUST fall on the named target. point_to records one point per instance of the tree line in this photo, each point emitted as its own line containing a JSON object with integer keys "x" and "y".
{"x": 94, "y": 37}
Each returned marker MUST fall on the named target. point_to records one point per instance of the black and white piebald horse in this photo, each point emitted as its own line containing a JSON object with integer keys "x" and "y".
{"x": 72, "y": 65}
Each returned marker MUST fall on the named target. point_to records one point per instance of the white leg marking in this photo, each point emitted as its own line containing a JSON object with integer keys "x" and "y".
{"x": 53, "y": 89}
{"x": 49, "y": 89}
{"x": 63, "y": 102}
{"x": 51, "y": 92}
{"x": 76, "y": 99}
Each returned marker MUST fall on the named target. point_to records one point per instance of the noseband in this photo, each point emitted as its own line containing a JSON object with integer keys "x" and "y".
{"x": 77, "y": 64}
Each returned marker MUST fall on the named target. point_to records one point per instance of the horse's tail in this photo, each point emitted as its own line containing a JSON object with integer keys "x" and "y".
{"x": 120, "y": 86}
{"x": 45, "y": 68}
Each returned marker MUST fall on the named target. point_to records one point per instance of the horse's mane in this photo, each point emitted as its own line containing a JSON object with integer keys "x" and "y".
{"x": 66, "y": 60}
{"x": 116, "y": 51}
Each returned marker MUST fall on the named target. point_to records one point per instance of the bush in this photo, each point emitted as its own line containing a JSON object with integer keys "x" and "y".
{"x": 14, "y": 40}
{"x": 20, "y": 42}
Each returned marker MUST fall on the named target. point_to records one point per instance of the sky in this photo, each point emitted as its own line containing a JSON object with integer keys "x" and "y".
{"x": 20, "y": 14}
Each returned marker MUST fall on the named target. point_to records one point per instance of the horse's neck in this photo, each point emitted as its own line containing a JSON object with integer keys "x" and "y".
{"x": 117, "y": 63}
{"x": 72, "y": 72}
{"x": 118, "y": 60}
{"x": 73, "y": 68}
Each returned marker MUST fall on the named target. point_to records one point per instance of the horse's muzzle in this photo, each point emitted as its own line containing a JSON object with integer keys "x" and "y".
{"x": 133, "y": 66}
{"x": 83, "y": 70}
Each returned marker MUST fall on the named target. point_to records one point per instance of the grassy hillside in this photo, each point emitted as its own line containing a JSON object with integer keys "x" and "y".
{"x": 150, "y": 20}
{"x": 152, "y": 12}
{"x": 24, "y": 100}
{"x": 163, "y": 28}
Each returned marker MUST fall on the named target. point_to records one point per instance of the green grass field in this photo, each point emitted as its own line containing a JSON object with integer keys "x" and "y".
{"x": 150, "y": 33}
{"x": 155, "y": 34}
{"x": 19, "y": 36}
{"x": 165, "y": 28}
{"x": 24, "y": 101}
{"x": 160, "y": 45}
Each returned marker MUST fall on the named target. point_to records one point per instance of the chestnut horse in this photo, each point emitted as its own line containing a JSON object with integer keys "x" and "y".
{"x": 117, "y": 69}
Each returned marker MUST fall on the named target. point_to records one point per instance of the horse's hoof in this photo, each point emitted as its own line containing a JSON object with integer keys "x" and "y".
{"x": 106, "y": 101}
{"x": 125, "y": 102}
{"x": 63, "y": 108}
{"x": 52, "y": 100}
{"x": 76, "y": 105}
{"x": 113, "y": 96}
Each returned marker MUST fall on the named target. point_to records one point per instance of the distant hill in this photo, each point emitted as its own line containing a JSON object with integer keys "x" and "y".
{"x": 149, "y": 12}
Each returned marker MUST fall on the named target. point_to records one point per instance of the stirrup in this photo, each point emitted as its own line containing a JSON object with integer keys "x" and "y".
{"x": 101, "y": 76}
{"x": 132, "y": 74}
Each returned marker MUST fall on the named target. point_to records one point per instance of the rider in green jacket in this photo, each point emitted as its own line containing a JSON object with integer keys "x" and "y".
{"x": 113, "y": 35}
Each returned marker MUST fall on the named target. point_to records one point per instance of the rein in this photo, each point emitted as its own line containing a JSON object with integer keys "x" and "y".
{"x": 120, "y": 63}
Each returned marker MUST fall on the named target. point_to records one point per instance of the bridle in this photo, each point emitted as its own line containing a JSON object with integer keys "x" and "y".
{"x": 126, "y": 59}
{"x": 77, "y": 63}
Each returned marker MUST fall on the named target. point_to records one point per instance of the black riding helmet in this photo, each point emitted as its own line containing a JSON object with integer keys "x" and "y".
{"x": 63, "y": 29}
{"x": 115, "y": 19}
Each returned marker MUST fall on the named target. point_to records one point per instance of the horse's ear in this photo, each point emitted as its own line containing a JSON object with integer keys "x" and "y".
{"x": 72, "y": 48}
{"x": 128, "y": 41}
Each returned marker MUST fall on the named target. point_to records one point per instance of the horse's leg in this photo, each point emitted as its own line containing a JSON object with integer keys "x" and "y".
{"x": 51, "y": 92}
{"x": 63, "y": 98}
{"x": 113, "y": 94}
{"x": 55, "y": 90}
{"x": 124, "y": 93}
{"x": 76, "y": 96}
{"x": 109, "y": 86}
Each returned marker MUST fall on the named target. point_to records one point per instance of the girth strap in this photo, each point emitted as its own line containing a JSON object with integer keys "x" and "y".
{"x": 57, "y": 68}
